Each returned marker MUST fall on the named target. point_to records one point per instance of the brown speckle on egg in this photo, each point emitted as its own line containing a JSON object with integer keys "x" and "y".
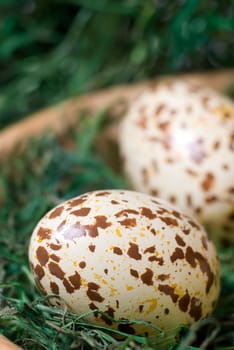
{"x": 82, "y": 264}
{"x": 134, "y": 273}
{"x": 68, "y": 286}
{"x": 184, "y": 302}
{"x": 194, "y": 224}
{"x": 150, "y": 249}
{"x": 40, "y": 287}
{"x": 208, "y": 182}
{"x": 191, "y": 172}
{"x": 56, "y": 213}
{"x": 114, "y": 202}
{"x": 211, "y": 199}
{"x": 147, "y": 277}
{"x": 204, "y": 240}
{"x": 177, "y": 254}
{"x": 81, "y": 212}
{"x": 77, "y": 201}
{"x": 159, "y": 260}
{"x": 154, "y": 192}
{"x": 42, "y": 255}
{"x": 179, "y": 240}
{"x": 172, "y": 199}
{"x": 130, "y": 222}
{"x": 193, "y": 257}
{"x": 159, "y": 109}
{"x": 109, "y": 312}
{"x": 44, "y": 233}
{"x": 92, "y": 247}
{"x": 126, "y": 212}
{"x": 54, "y": 288}
{"x": 55, "y": 246}
{"x": 56, "y": 270}
{"x": 92, "y": 292}
{"x": 39, "y": 271}
{"x": 169, "y": 220}
{"x": 55, "y": 257}
{"x": 186, "y": 231}
{"x": 168, "y": 290}
{"x": 195, "y": 308}
{"x": 101, "y": 221}
{"x": 102, "y": 193}
{"x": 75, "y": 280}
{"x": 147, "y": 213}
{"x": 163, "y": 277}
{"x": 92, "y": 306}
{"x": 133, "y": 251}
{"x": 117, "y": 250}
{"x": 126, "y": 328}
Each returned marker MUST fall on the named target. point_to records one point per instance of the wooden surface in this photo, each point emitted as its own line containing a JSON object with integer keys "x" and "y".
{"x": 5, "y": 344}
{"x": 59, "y": 117}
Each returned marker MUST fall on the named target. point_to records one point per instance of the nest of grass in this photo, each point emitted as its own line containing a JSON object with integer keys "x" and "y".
{"x": 49, "y": 171}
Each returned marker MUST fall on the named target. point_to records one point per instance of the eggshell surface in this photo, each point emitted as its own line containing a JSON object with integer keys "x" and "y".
{"x": 177, "y": 142}
{"x": 129, "y": 255}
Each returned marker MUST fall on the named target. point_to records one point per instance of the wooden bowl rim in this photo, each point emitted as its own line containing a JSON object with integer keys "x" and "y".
{"x": 59, "y": 117}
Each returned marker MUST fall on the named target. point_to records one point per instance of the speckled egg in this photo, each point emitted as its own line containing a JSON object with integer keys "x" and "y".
{"x": 177, "y": 142}
{"x": 129, "y": 255}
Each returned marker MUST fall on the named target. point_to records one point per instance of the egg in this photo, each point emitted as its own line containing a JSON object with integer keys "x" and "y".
{"x": 128, "y": 255}
{"x": 177, "y": 142}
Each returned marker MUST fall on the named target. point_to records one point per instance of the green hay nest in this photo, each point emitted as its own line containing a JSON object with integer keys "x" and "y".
{"x": 31, "y": 184}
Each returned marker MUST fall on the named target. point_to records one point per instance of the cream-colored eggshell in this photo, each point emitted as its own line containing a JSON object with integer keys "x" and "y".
{"x": 177, "y": 142}
{"x": 127, "y": 254}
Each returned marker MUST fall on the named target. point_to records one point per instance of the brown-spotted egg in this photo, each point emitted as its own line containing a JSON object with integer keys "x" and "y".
{"x": 129, "y": 255}
{"x": 177, "y": 142}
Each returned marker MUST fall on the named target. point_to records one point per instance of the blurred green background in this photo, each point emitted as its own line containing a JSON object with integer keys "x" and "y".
{"x": 53, "y": 49}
